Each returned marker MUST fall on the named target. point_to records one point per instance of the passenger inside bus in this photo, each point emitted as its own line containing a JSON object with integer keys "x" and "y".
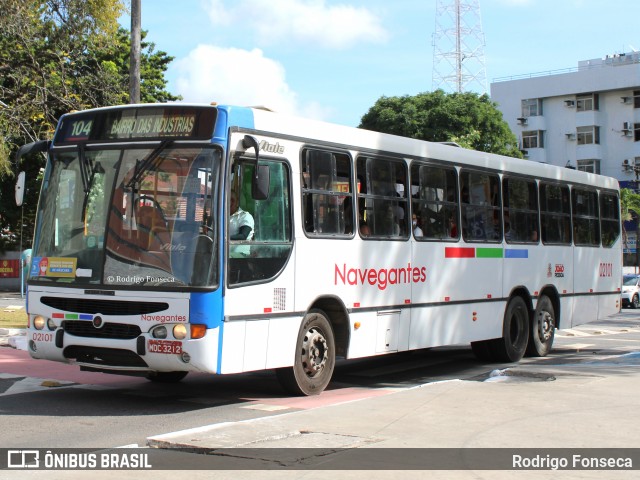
{"x": 415, "y": 224}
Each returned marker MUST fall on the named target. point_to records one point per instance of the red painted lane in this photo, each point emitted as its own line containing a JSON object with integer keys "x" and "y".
{"x": 19, "y": 362}
{"x": 328, "y": 397}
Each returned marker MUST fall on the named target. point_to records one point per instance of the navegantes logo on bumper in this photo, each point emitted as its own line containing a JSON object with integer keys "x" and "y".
{"x": 163, "y": 318}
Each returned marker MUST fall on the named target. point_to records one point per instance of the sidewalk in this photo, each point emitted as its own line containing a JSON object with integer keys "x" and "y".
{"x": 572, "y": 409}
{"x": 13, "y": 337}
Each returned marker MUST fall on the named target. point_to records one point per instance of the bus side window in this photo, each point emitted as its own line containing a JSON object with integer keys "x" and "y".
{"x": 586, "y": 225}
{"x": 481, "y": 207}
{"x": 435, "y": 201}
{"x": 267, "y": 252}
{"x": 382, "y": 200}
{"x": 609, "y": 218}
{"x": 520, "y": 210}
{"x": 327, "y": 198}
{"x": 555, "y": 213}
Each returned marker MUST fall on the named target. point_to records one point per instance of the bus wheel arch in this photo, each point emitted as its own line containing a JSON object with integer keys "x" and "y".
{"x": 544, "y": 321}
{"x": 337, "y": 315}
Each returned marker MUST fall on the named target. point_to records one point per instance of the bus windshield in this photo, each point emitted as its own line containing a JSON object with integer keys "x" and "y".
{"x": 142, "y": 216}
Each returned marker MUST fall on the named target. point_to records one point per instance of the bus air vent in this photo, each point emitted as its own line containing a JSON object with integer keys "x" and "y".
{"x": 105, "y": 307}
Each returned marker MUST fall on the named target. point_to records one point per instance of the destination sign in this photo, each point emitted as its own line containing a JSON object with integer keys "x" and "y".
{"x": 137, "y": 123}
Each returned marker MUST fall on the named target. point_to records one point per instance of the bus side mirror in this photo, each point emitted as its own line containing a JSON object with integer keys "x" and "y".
{"x": 40, "y": 146}
{"x": 261, "y": 175}
{"x": 20, "y": 189}
{"x": 261, "y": 181}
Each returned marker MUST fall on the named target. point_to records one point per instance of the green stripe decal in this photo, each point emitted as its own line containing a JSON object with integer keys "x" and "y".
{"x": 489, "y": 252}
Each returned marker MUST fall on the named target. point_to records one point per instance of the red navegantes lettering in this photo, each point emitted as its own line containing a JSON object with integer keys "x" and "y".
{"x": 381, "y": 277}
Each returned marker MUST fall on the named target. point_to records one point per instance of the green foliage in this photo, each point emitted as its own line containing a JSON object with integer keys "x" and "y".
{"x": 57, "y": 56}
{"x": 629, "y": 202}
{"x": 469, "y": 119}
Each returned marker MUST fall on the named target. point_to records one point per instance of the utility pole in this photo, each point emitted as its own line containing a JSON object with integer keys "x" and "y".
{"x": 458, "y": 47}
{"x": 134, "y": 61}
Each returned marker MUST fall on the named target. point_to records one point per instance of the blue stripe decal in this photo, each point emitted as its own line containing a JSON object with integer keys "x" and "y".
{"x": 206, "y": 309}
{"x": 84, "y": 316}
{"x": 512, "y": 253}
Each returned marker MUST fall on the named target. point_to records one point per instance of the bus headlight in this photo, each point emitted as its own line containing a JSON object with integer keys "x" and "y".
{"x": 51, "y": 324}
{"x": 180, "y": 332}
{"x": 159, "y": 332}
{"x": 39, "y": 322}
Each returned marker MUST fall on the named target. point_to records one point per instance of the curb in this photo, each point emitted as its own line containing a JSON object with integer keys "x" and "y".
{"x": 10, "y": 332}
{"x": 14, "y": 338}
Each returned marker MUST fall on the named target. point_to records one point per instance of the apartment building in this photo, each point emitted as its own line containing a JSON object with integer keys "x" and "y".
{"x": 586, "y": 117}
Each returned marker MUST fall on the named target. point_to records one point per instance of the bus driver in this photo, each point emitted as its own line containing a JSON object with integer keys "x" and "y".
{"x": 241, "y": 226}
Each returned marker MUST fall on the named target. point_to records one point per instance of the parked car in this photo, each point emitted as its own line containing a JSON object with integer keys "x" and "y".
{"x": 631, "y": 291}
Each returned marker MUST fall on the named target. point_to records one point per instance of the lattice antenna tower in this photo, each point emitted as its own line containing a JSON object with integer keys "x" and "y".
{"x": 458, "y": 47}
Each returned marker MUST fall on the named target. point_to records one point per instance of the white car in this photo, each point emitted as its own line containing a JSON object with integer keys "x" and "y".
{"x": 631, "y": 291}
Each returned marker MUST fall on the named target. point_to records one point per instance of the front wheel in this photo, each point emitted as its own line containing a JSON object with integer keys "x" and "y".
{"x": 515, "y": 332}
{"x": 315, "y": 357}
{"x": 543, "y": 328}
{"x": 635, "y": 302}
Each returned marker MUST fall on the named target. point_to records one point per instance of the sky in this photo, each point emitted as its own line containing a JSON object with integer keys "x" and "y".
{"x": 333, "y": 59}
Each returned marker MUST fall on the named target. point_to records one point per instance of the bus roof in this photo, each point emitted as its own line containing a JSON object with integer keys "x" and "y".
{"x": 315, "y": 131}
{"x": 357, "y": 138}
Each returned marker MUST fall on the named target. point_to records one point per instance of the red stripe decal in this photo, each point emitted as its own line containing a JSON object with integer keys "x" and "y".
{"x": 459, "y": 252}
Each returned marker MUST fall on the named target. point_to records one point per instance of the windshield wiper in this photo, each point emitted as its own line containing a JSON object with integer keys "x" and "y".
{"x": 86, "y": 169}
{"x": 150, "y": 162}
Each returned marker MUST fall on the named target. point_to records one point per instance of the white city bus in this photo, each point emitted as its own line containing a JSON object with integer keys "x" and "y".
{"x": 134, "y": 270}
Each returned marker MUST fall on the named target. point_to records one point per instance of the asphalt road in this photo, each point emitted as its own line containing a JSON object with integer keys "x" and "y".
{"x": 46, "y": 404}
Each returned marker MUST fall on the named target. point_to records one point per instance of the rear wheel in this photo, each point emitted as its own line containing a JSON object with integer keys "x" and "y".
{"x": 515, "y": 332}
{"x": 635, "y": 302}
{"x": 315, "y": 357}
{"x": 543, "y": 328}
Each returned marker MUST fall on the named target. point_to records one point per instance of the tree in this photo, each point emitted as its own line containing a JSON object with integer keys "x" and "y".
{"x": 57, "y": 56}
{"x": 471, "y": 120}
{"x": 630, "y": 202}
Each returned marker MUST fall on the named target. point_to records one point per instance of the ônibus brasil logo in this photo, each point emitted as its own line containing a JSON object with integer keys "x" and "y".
{"x": 382, "y": 277}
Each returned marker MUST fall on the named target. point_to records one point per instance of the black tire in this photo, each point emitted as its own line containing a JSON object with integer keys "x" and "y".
{"x": 166, "y": 377}
{"x": 543, "y": 327}
{"x": 635, "y": 302}
{"x": 515, "y": 332}
{"x": 315, "y": 357}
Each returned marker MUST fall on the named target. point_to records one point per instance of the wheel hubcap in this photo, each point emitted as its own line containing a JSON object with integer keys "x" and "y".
{"x": 315, "y": 352}
{"x": 545, "y": 326}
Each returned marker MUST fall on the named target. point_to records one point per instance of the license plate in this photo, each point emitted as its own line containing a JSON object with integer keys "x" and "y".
{"x": 164, "y": 346}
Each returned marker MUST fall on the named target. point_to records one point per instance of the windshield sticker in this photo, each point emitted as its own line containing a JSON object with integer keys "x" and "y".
{"x": 53, "y": 267}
